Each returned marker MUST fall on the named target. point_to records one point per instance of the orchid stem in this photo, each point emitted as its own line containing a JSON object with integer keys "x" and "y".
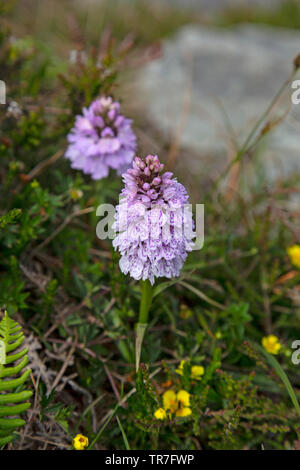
{"x": 146, "y": 300}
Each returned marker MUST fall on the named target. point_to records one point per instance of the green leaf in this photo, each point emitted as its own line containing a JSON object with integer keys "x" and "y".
{"x": 11, "y": 338}
{"x": 202, "y": 296}
{"x": 123, "y": 434}
{"x": 280, "y": 372}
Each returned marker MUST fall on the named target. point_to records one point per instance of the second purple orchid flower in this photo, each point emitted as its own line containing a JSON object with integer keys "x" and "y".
{"x": 102, "y": 138}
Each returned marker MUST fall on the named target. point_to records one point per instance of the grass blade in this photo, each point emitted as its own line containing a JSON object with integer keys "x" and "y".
{"x": 200, "y": 294}
{"x": 280, "y": 372}
{"x": 123, "y": 434}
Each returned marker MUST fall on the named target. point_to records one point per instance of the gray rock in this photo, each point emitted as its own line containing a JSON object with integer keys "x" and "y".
{"x": 220, "y": 5}
{"x": 238, "y": 71}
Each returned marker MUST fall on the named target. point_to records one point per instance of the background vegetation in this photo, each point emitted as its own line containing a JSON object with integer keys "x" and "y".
{"x": 63, "y": 284}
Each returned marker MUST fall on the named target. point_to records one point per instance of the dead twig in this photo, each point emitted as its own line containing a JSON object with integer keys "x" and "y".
{"x": 61, "y": 227}
{"x": 62, "y": 370}
{"x": 41, "y": 166}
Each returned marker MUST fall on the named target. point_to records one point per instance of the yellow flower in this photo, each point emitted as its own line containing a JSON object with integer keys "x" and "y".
{"x": 183, "y": 404}
{"x": 184, "y": 398}
{"x": 183, "y": 412}
{"x": 197, "y": 372}
{"x": 271, "y": 344}
{"x": 170, "y": 401}
{"x": 294, "y": 255}
{"x": 160, "y": 414}
{"x": 178, "y": 404}
{"x": 80, "y": 442}
{"x": 179, "y": 370}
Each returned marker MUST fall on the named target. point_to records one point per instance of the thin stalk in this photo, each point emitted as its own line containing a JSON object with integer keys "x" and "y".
{"x": 141, "y": 326}
{"x": 146, "y": 300}
{"x": 245, "y": 147}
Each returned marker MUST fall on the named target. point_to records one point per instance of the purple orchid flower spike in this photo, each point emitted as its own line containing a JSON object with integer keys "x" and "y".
{"x": 101, "y": 139}
{"x": 154, "y": 231}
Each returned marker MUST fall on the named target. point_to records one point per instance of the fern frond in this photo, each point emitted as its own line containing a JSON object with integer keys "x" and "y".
{"x": 12, "y": 404}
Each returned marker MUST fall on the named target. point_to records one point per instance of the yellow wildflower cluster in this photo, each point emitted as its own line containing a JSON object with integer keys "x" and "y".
{"x": 80, "y": 442}
{"x": 271, "y": 344}
{"x": 177, "y": 404}
{"x": 294, "y": 255}
{"x": 196, "y": 371}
